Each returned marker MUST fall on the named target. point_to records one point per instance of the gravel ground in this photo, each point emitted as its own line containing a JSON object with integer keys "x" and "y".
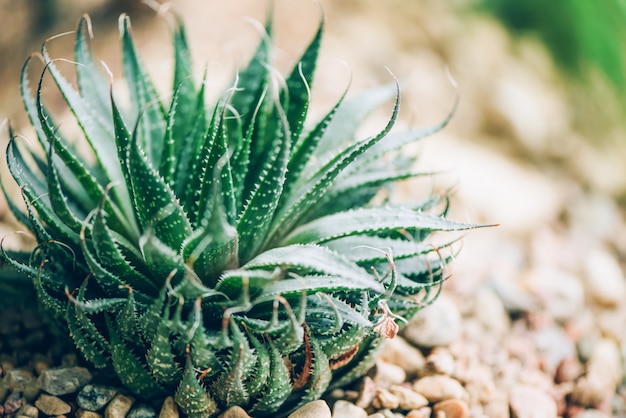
{"x": 533, "y": 321}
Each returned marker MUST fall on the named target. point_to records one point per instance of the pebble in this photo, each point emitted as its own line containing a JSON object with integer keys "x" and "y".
{"x": 52, "y": 405}
{"x": 497, "y": 406}
{"x": 490, "y": 312}
{"x": 439, "y": 388}
{"x": 529, "y": 402}
{"x": 387, "y": 413}
{"x": 31, "y": 390}
{"x": 169, "y": 408}
{"x": 63, "y": 380}
{"x": 563, "y": 293}
{"x": 452, "y": 408}
{"x": 611, "y": 322}
{"x": 367, "y": 392}
{"x": 13, "y": 403}
{"x": 399, "y": 352}
{"x": 438, "y": 324}
{"x": 553, "y": 345}
{"x": 4, "y": 392}
{"x": 345, "y": 409}
{"x": 385, "y": 400}
{"x": 606, "y": 360}
{"x": 17, "y": 379}
{"x": 28, "y": 411}
{"x": 605, "y": 281}
{"x": 234, "y": 412}
{"x": 568, "y": 370}
{"x": 119, "y": 406}
{"x": 95, "y": 397}
{"x": 424, "y": 412}
{"x": 82, "y": 413}
{"x": 515, "y": 298}
{"x": 315, "y": 409}
{"x": 592, "y": 413}
{"x": 439, "y": 361}
{"x": 604, "y": 372}
{"x": 388, "y": 374}
{"x": 591, "y": 389}
{"x": 141, "y": 411}
{"x": 408, "y": 399}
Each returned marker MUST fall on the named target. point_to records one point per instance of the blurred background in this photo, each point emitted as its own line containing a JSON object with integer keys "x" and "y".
{"x": 537, "y": 145}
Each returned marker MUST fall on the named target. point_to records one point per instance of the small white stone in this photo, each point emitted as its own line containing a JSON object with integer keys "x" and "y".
{"x": 367, "y": 393}
{"x": 385, "y": 399}
{"x": 605, "y": 279}
{"x": 553, "y": 344}
{"x": 439, "y": 361}
{"x": 497, "y": 406}
{"x": 592, "y": 413}
{"x": 604, "y": 372}
{"x": 563, "y": 294}
{"x": 345, "y": 409}
{"x": 606, "y": 360}
{"x": 529, "y": 402}
{"x": 439, "y": 388}
{"x": 489, "y": 311}
{"x": 388, "y": 374}
{"x": 438, "y": 324}
{"x": 315, "y": 409}
{"x": 408, "y": 399}
{"x": 399, "y": 352}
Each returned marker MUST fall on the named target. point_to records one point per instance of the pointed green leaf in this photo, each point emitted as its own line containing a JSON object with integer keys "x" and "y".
{"x": 186, "y": 111}
{"x": 253, "y": 80}
{"x": 95, "y": 125}
{"x": 158, "y": 209}
{"x": 261, "y": 375}
{"x": 147, "y": 107}
{"x": 321, "y": 374}
{"x": 298, "y": 86}
{"x": 160, "y": 358}
{"x": 279, "y": 387}
{"x": 36, "y": 196}
{"x": 311, "y": 258}
{"x": 362, "y": 362}
{"x": 318, "y": 184}
{"x": 255, "y": 221}
{"x": 350, "y": 117}
{"x": 131, "y": 371}
{"x": 371, "y": 221}
{"x": 91, "y": 83}
{"x": 303, "y": 150}
{"x": 192, "y": 397}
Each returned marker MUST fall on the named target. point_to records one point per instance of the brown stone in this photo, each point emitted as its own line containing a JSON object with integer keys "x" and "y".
{"x": 169, "y": 408}
{"x": 234, "y": 412}
{"x": 439, "y": 388}
{"x": 83, "y": 413}
{"x": 51, "y": 405}
{"x": 452, "y": 408}
{"x": 119, "y": 406}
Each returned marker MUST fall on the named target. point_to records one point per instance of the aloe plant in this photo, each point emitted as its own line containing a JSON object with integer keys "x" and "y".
{"x": 229, "y": 252}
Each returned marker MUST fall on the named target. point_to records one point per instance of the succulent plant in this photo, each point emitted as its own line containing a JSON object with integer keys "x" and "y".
{"x": 227, "y": 253}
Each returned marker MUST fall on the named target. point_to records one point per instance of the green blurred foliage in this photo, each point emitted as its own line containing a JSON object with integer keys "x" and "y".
{"x": 580, "y": 34}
